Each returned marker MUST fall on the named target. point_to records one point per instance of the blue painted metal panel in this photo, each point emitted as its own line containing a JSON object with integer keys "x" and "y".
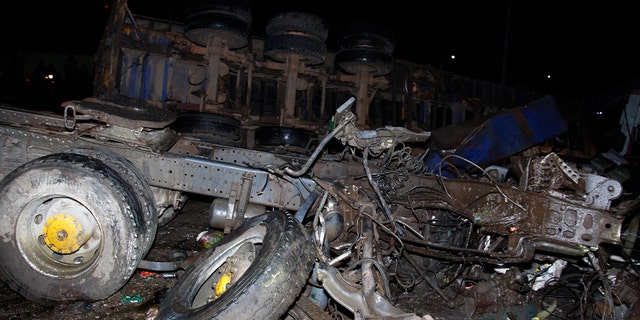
{"x": 130, "y": 74}
{"x": 146, "y": 78}
{"x": 500, "y": 136}
{"x": 160, "y": 78}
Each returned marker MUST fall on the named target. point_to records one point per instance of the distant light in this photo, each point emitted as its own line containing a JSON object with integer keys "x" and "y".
{"x": 599, "y": 113}
{"x": 444, "y": 61}
{"x": 49, "y": 77}
{"x": 548, "y": 76}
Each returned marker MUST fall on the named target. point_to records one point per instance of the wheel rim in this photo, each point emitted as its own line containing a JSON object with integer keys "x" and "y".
{"x": 61, "y": 236}
{"x": 233, "y": 258}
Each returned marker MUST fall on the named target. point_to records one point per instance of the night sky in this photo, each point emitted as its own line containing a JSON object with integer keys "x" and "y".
{"x": 586, "y": 48}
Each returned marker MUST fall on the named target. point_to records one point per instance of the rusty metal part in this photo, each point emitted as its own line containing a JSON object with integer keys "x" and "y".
{"x": 376, "y": 140}
{"x": 627, "y": 289}
{"x": 519, "y": 250}
{"x": 223, "y": 215}
{"x": 354, "y": 299}
{"x": 126, "y": 114}
{"x": 155, "y": 140}
{"x": 509, "y": 211}
{"x": 430, "y": 281}
{"x": 550, "y": 173}
{"x": 238, "y": 201}
{"x": 493, "y": 292}
{"x": 601, "y": 191}
{"x": 304, "y": 308}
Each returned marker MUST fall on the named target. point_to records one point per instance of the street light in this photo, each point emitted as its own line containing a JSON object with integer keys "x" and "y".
{"x": 451, "y": 57}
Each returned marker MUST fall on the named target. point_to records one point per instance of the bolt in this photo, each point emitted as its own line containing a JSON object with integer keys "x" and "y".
{"x": 62, "y": 234}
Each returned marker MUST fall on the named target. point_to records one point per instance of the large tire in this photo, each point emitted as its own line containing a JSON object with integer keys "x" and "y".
{"x": 272, "y": 256}
{"x": 147, "y": 216}
{"x": 212, "y": 127}
{"x": 366, "y": 36}
{"x": 228, "y": 20}
{"x": 310, "y": 51}
{"x": 373, "y": 62}
{"x": 296, "y": 33}
{"x": 241, "y": 9}
{"x": 298, "y": 23}
{"x": 365, "y": 47}
{"x": 285, "y": 137}
{"x": 71, "y": 229}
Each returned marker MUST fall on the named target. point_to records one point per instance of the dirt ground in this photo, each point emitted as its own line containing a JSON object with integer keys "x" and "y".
{"x": 177, "y": 241}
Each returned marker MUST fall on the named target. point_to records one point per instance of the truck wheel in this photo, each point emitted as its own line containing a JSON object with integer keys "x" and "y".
{"x": 369, "y": 61}
{"x": 70, "y": 229}
{"x": 254, "y": 272}
{"x": 296, "y": 33}
{"x": 310, "y": 51}
{"x": 298, "y": 23}
{"x": 212, "y": 127}
{"x": 277, "y": 136}
{"x": 147, "y": 217}
{"x": 227, "y": 20}
{"x": 365, "y": 47}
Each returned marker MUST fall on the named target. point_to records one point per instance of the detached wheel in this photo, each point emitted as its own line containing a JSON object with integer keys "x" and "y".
{"x": 72, "y": 229}
{"x": 255, "y": 272}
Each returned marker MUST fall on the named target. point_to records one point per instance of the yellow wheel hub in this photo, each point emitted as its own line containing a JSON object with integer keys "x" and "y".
{"x": 64, "y": 233}
{"x": 223, "y": 283}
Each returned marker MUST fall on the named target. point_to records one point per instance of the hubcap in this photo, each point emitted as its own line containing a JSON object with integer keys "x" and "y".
{"x": 64, "y": 233}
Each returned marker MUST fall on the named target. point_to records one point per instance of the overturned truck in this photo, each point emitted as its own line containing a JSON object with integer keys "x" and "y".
{"x": 325, "y": 215}
{"x": 84, "y": 192}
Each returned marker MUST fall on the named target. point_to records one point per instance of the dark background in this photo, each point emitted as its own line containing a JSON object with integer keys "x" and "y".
{"x": 586, "y": 48}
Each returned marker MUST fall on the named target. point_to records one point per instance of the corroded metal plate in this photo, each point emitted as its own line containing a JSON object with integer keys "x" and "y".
{"x": 123, "y": 113}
